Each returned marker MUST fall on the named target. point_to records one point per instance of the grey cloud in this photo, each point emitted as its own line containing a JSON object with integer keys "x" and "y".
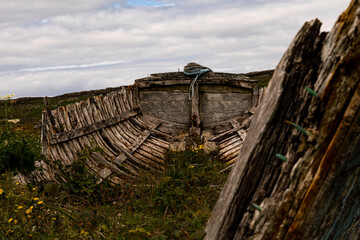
{"x": 234, "y": 35}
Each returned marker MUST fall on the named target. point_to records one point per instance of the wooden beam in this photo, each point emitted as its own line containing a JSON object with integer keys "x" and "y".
{"x": 136, "y": 144}
{"x": 235, "y": 129}
{"x": 98, "y": 158}
{"x": 78, "y": 132}
{"x": 241, "y": 131}
{"x": 255, "y": 95}
{"x": 195, "y": 112}
{"x": 155, "y": 83}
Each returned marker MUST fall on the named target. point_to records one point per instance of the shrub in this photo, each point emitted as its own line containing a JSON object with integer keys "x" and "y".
{"x": 18, "y": 151}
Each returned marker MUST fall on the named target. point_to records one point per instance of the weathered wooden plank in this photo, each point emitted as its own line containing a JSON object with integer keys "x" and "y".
{"x": 195, "y": 112}
{"x": 147, "y": 159}
{"x": 129, "y": 127}
{"x": 226, "y": 96}
{"x": 78, "y": 113}
{"x": 224, "y": 151}
{"x": 75, "y": 133}
{"x": 45, "y": 134}
{"x": 65, "y": 153}
{"x": 89, "y": 111}
{"x": 255, "y": 95}
{"x": 314, "y": 194}
{"x": 231, "y": 153}
{"x": 168, "y": 95}
{"x": 153, "y": 148}
{"x": 137, "y": 143}
{"x": 140, "y": 140}
{"x": 144, "y": 125}
{"x": 244, "y": 84}
{"x": 71, "y": 148}
{"x": 241, "y": 132}
{"x": 159, "y": 142}
{"x": 228, "y": 141}
{"x": 97, "y": 157}
{"x": 120, "y": 129}
{"x": 225, "y": 222}
{"x": 231, "y": 131}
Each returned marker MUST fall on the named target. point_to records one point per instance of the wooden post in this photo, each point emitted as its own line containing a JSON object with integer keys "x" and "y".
{"x": 255, "y": 95}
{"x": 195, "y": 112}
{"x": 44, "y": 128}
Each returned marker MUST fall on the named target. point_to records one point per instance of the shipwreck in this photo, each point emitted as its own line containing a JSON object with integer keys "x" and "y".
{"x": 136, "y": 125}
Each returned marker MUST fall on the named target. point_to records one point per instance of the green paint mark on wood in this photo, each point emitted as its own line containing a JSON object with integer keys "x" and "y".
{"x": 281, "y": 157}
{"x": 298, "y": 127}
{"x": 311, "y": 92}
{"x": 257, "y": 207}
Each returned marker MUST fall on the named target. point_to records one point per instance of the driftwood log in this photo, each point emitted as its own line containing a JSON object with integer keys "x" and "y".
{"x": 297, "y": 175}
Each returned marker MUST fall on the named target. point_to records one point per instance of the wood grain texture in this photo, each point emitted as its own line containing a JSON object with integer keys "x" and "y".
{"x": 314, "y": 194}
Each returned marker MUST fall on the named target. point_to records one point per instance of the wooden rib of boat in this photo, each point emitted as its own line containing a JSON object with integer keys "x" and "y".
{"x": 136, "y": 125}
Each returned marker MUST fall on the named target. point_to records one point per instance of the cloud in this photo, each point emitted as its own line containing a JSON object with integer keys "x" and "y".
{"x": 53, "y": 47}
{"x": 67, "y": 67}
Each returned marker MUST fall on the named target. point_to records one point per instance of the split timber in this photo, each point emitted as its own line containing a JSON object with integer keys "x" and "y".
{"x": 136, "y": 125}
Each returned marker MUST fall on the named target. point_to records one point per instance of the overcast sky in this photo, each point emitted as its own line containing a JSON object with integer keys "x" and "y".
{"x": 51, "y": 47}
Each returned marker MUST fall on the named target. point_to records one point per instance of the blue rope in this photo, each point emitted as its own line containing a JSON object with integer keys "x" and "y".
{"x": 196, "y": 72}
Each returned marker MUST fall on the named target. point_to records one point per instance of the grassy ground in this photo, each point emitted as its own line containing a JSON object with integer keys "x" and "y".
{"x": 174, "y": 203}
{"x": 171, "y": 203}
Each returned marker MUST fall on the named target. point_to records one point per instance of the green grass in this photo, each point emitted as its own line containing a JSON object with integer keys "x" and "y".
{"x": 173, "y": 203}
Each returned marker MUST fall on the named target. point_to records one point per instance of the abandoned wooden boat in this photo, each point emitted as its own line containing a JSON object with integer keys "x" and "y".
{"x": 136, "y": 125}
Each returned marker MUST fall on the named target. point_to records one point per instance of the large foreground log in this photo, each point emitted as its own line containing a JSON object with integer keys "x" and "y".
{"x": 291, "y": 184}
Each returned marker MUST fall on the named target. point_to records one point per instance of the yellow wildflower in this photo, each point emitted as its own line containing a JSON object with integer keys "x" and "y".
{"x": 141, "y": 230}
{"x": 34, "y": 188}
{"x": 85, "y": 233}
{"x": 1, "y": 191}
{"x": 29, "y": 210}
{"x": 10, "y": 220}
{"x": 15, "y": 221}
{"x": 19, "y": 207}
{"x": 35, "y": 199}
{"x": 17, "y": 183}
{"x": 191, "y": 166}
{"x": 40, "y": 202}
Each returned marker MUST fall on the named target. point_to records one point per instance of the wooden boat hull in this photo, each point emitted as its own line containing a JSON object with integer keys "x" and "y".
{"x": 135, "y": 126}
